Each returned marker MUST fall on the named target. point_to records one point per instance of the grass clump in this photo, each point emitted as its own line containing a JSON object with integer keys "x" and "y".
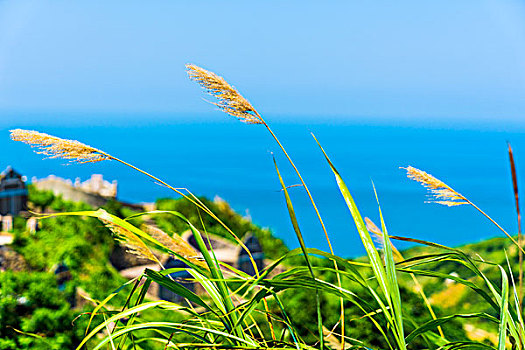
{"x": 305, "y": 298}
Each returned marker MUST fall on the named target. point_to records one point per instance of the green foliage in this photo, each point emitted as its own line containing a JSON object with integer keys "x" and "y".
{"x": 35, "y": 314}
{"x": 40, "y": 199}
{"x": 30, "y": 301}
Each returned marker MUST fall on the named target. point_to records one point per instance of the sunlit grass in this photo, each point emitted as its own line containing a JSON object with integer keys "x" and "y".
{"x": 241, "y": 311}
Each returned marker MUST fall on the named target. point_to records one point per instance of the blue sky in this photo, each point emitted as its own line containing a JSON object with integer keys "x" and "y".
{"x": 406, "y": 60}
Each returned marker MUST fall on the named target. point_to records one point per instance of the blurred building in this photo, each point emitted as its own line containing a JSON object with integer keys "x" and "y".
{"x": 95, "y": 191}
{"x": 97, "y": 185}
{"x": 224, "y": 250}
{"x": 13, "y": 192}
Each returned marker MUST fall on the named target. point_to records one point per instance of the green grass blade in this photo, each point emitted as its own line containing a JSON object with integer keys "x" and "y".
{"x": 126, "y": 313}
{"x": 393, "y": 286}
{"x": 100, "y": 305}
{"x": 373, "y": 254}
{"x": 470, "y": 345}
{"x": 176, "y": 288}
{"x": 504, "y": 317}
{"x": 175, "y": 327}
{"x": 299, "y": 235}
{"x": 433, "y": 324}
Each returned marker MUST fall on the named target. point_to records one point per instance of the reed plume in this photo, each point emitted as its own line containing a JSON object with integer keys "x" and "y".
{"x": 439, "y": 192}
{"x": 442, "y": 193}
{"x": 133, "y": 243}
{"x": 55, "y": 147}
{"x": 175, "y": 244}
{"x": 229, "y": 99}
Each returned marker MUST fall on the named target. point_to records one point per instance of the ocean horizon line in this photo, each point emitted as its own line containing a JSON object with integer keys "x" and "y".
{"x": 33, "y": 119}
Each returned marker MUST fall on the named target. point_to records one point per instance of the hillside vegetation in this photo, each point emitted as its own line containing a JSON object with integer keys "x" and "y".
{"x": 85, "y": 245}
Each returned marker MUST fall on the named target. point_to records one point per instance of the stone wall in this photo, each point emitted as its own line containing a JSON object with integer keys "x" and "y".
{"x": 68, "y": 192}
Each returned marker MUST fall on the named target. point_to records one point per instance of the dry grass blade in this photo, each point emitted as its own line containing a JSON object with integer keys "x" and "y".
{"x": 132, "y": 242}
{"x": 440, "y": 192}
{"x": 55, "y": 147}
{"x": 175, "y": 243}
{"x": 230, "y": 100}
{"x": 331, "y": 340}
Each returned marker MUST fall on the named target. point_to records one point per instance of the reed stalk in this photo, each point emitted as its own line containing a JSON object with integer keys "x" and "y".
{"x": 518, "y": 216}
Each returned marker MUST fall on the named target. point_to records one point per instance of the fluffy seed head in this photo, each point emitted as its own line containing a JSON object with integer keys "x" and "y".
{"x": 55, "y": 147}
{"x": 229, "y": 99}
{"x": 134, "y": 244}
{"x": 439, "y": 192}
{"x": 175, "y": 243}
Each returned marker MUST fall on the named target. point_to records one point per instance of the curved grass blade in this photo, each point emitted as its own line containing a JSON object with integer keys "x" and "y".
{"x": 176, "y": 288}
{"x": 432, "y": 324}
{"x": 466, "y": 345}
{"x": 100, "y": 305}
{"x": 176, "y": 327}
{"x": 377, "y": 265}
{"x": 128, "y": 312}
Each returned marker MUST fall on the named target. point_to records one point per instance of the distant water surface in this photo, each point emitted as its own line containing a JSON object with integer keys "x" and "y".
{"x": 233, "y": 160}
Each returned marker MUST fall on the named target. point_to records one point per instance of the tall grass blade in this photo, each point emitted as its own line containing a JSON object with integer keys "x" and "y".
{"x": 375, "y": 259}
{"x": 372, "y": 228}
{"x": 299, "y": 235}
{"x": 390, "y": 265}
{"x": 504, "y": 317}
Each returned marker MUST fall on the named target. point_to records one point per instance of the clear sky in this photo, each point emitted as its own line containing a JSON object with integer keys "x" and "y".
{"x": 375, "y": 59}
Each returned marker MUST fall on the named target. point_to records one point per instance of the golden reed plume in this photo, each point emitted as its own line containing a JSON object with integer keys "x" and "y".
{"x": 175, "y": 244}
{"x": 229, "y": 99}
{"x": 55, "y": 147}
{"x": 440, "y": 192}
{"x": 134, "y": 244}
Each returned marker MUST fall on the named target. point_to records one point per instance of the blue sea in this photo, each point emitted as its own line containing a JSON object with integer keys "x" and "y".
{"x": 233, "y": 160}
